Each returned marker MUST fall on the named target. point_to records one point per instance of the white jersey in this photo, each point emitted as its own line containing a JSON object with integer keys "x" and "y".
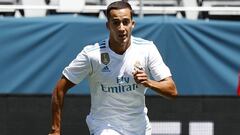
{"x": 116, "y": 99}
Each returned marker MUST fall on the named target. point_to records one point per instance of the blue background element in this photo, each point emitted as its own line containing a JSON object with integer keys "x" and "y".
{"x": 204, "y": 56}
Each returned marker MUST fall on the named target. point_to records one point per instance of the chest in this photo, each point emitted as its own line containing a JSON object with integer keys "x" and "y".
{"x": 113, "y": 69}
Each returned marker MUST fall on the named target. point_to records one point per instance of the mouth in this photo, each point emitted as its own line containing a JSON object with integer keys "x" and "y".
{"x": 123, "y": 36}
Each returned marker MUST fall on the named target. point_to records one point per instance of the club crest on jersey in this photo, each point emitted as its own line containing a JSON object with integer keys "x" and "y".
{"x": 105, "y": 59}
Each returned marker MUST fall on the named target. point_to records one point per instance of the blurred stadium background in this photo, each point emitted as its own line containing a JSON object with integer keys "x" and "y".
{"x": 198, "y": 39}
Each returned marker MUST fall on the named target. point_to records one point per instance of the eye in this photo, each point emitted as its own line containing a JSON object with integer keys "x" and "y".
{"x": 126, "y": 22}
{"x": 116, "y": 22}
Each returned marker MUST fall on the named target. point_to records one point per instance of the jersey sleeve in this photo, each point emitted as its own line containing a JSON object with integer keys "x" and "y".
{"x": 158, "y": 69}
{"x": 78, "y": 69}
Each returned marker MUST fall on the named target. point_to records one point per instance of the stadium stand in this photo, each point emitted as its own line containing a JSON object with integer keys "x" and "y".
{"x": 35, "y": 12}
{"x": 66, "y": 6}
{"x": 190, "y": 9}
{"x": 223, "y": 15}
{"x": 95, "y": 7}
{"x": 94, "y": 2}
{"x": 160, "y": 3}
{"x": 74, "y": 7}
{"x": 190, "y": 14}
{"x": 10, "y": 12}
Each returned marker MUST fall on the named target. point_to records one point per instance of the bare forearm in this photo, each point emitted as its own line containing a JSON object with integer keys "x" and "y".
{"x": 57, "y": 105}
{"x": 165, "y": 87}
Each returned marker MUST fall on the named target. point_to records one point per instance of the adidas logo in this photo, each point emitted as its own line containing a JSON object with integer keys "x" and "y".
{"x": 105, "y": 69}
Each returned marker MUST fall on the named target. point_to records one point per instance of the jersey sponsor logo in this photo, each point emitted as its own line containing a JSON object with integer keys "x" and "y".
{"x": 119, "y": 88}
{"x": 122, "y": 79}
{"x": 123, "y": 85}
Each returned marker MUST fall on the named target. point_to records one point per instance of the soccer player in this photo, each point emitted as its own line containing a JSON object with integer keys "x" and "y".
{"x": 119, "y": 70}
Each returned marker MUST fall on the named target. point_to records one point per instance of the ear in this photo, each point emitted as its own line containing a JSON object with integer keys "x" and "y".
{"x": 133, "y": 24}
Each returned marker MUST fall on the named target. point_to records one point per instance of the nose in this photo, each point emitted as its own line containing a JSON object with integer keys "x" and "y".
{"x": 121, "y": 27}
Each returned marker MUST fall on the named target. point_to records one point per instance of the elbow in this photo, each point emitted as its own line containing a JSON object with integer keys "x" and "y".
{"x": 172, "y": 93}
{"x": 170, "y": 89}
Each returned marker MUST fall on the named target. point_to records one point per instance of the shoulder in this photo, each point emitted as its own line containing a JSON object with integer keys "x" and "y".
{"x": 95, "y": 47}
{"x": 141, "y": 41}
{"x": 143, "y": 44}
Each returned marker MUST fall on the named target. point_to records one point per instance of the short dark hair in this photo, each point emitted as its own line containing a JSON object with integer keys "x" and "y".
{"x": 119, "y": 5}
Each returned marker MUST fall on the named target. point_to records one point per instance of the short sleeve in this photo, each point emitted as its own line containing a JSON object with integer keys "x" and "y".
{"x": 158, "y": 69}
{"x": 78, "y": 69}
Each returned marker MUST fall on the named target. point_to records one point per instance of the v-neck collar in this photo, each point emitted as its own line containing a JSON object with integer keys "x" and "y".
{"x": 120, "y": 56}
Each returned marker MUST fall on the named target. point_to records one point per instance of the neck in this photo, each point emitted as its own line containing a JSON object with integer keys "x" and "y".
{"x": 119, "y": 48}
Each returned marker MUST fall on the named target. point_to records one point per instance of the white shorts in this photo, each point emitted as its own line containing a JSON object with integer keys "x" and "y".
{"x": 97, "y": 127}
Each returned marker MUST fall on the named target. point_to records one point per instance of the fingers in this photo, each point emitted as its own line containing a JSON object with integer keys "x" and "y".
{"x": 138, "y": 71}
{"x": 140, "y": 76}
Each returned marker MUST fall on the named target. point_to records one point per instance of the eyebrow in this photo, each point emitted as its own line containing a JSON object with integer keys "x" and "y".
{"x": 119, "y": 19}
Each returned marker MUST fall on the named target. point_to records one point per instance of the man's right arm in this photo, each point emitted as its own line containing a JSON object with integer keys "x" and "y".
{"x": 63, "y": 85}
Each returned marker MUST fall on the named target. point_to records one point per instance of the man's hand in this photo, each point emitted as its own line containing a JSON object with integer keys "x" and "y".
{"x": 141, "y": 77}
{"x": 164, "y": 87}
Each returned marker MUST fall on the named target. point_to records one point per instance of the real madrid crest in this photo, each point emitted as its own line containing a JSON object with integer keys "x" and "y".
{"x": 105, "y": 59}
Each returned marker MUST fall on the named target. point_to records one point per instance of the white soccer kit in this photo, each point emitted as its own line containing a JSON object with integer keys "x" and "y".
{"x": 117, "y": 101}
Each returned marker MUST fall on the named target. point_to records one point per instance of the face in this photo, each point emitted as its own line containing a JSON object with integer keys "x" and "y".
{"x": 120, "y": 26}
